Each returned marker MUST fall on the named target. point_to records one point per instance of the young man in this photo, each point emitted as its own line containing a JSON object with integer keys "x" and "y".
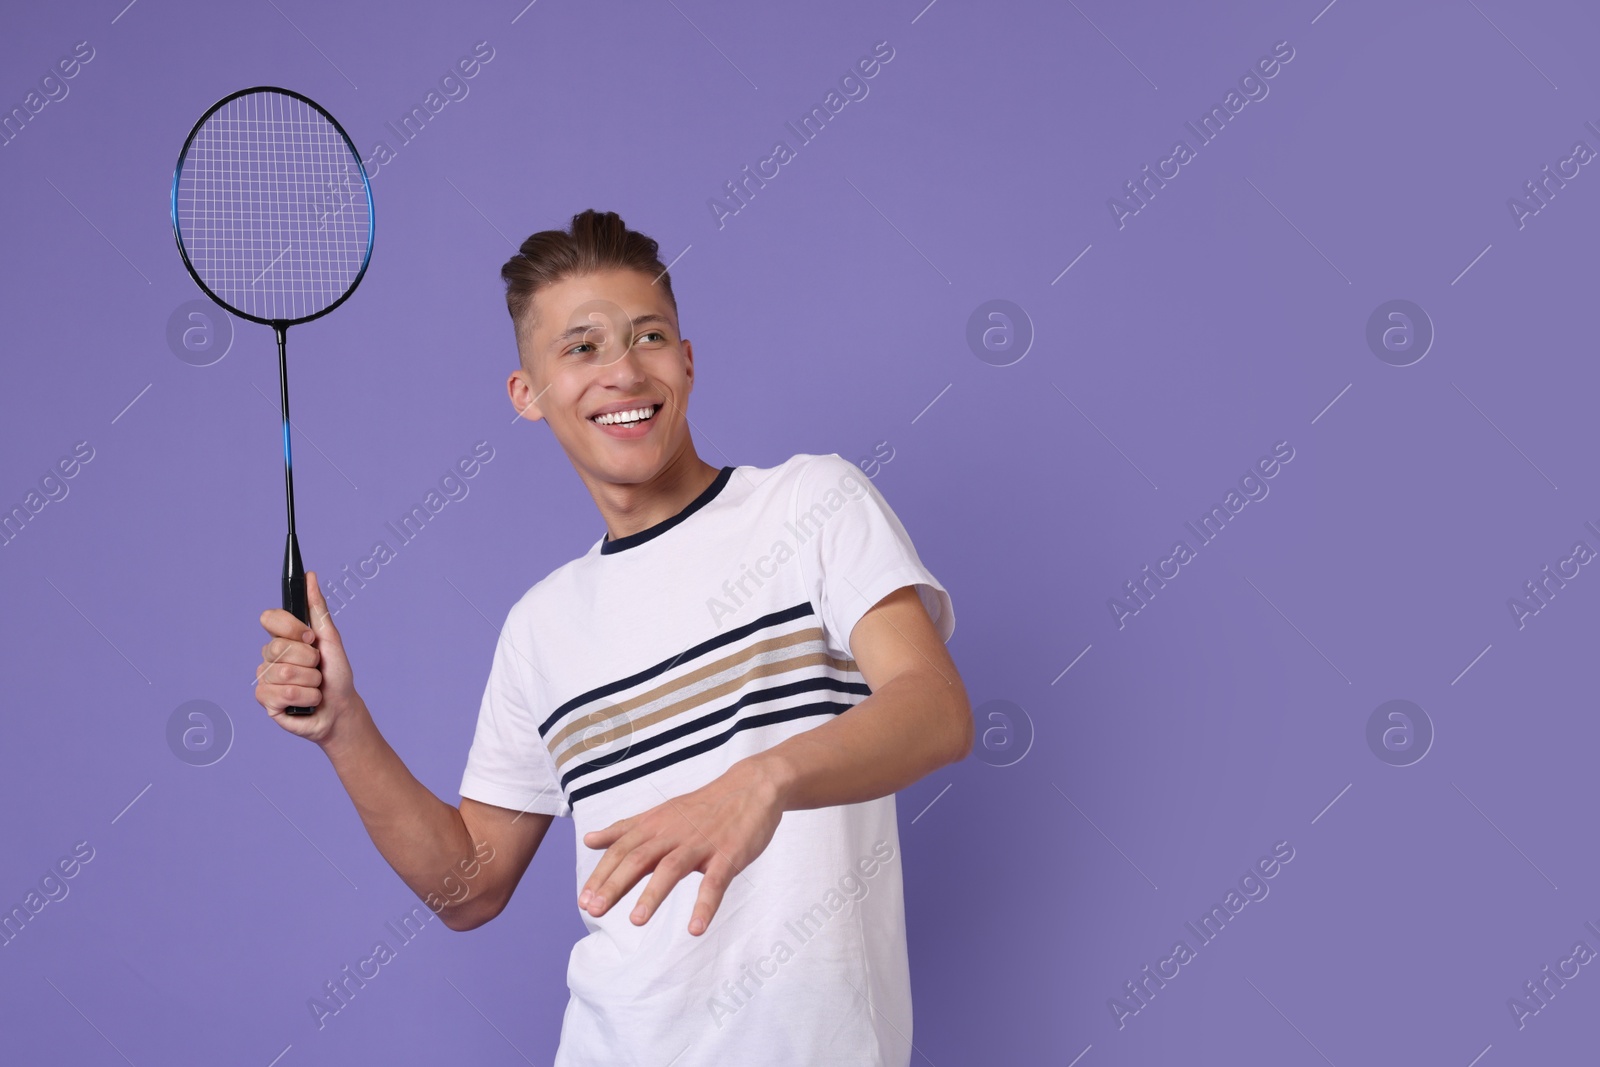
{"x": 724, "y": 693}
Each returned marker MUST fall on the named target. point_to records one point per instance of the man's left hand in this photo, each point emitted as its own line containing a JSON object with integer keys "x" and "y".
{"x": 718, "y": 830}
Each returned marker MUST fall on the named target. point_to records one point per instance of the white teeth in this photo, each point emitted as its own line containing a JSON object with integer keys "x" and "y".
{"x": 620, "y": 417}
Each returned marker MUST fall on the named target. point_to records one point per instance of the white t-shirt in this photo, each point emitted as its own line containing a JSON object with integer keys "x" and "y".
{"x": 647, "y": 667}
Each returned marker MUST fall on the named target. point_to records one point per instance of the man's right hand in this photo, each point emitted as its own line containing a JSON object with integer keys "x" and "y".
{"x": 305, "y": 667}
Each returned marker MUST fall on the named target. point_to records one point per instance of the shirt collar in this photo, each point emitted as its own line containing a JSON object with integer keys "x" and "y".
{"x": 608, "y": 546}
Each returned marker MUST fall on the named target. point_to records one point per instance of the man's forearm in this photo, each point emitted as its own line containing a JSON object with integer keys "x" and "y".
{"x": 420, "y": 836}
{"x": 905, "y": 730}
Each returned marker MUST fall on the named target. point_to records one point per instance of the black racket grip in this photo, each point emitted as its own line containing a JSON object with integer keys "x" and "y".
{"x": 295, "y": 600}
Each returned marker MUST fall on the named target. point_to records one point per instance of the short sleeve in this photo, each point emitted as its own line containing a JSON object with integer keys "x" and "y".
{"x": 855, "y": 549}
{"x": 508, "y": 765}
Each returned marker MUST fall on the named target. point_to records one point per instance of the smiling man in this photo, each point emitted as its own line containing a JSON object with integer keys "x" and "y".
{"x": 730, "y": 772}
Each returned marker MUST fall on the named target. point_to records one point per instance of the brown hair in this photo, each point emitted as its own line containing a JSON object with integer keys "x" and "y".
{"x": 596, "y": 241}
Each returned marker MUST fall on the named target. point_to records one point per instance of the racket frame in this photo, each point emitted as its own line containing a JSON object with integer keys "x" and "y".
{"x": 366, "y": 184}
{"x": 295, "y": 599}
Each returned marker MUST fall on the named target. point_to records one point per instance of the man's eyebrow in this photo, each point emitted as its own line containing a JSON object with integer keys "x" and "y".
{"x": 639, "y": 320}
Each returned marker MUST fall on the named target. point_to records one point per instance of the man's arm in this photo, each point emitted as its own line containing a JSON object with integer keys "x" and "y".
{"x": 916, "y": 720}
{"x": 463, "y": 863}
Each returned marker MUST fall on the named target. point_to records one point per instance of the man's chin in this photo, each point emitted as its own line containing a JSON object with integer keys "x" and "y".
{"x": 625, "y": 465}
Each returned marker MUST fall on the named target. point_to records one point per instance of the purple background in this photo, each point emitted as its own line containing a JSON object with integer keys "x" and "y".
{"x": 831, "y": 314}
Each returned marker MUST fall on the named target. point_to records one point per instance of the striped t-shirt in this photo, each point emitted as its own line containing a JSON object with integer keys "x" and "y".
{"x": 647, "y": 667}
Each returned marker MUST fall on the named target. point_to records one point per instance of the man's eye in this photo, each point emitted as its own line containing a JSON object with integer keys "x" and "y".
{"x": 577, "y": 349}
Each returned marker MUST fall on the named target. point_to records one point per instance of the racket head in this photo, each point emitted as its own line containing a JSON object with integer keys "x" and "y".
{"x": 272, "y": 208}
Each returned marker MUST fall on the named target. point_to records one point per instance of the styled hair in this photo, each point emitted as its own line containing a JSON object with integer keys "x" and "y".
{"x": 596, "y": 241}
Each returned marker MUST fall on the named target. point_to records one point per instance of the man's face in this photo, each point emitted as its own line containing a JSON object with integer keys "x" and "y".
{"x": 599, "y": 344}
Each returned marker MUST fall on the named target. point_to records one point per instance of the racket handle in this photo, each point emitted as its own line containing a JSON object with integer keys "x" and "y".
{"x": 295, "y": 600}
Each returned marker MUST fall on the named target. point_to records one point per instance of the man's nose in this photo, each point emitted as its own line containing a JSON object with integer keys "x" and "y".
{"x": 620, "y": 358}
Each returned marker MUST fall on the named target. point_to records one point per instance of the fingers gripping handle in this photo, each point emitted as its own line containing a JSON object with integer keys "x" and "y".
{"x": 295, "y": 600}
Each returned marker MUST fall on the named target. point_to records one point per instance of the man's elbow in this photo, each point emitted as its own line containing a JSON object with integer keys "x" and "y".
{"x": 964, "y": 749}
{"x": 461, "y": 924}
{"x": 963, "y": 729}
{"x": 469, "y": 914}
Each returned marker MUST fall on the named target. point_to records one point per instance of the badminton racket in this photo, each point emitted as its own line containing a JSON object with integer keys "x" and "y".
{"x": 272, "y": 211}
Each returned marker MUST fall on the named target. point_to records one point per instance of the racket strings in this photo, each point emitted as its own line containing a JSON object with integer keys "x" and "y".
{"x": 273, "y": 211}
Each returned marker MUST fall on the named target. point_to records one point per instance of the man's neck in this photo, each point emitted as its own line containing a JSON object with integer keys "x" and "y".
{"x": 628, "y": 509}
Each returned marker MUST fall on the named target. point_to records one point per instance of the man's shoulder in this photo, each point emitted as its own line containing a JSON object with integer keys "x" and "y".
{"x": 826, "y": 476}
{"x": 556, "y": 584}
{"x": 813, "y": 467}
{"x": 550, "y": 590}
{"x": 820, "y": 460}
{"x": 808, "y": 474}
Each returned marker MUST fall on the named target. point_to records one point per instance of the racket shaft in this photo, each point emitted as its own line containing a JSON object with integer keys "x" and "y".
{"x": 295, "y": 600}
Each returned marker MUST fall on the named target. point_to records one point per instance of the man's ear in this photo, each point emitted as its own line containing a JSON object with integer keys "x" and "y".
{"x": 688, "y": 361}
{"x": 519, "y": 386}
